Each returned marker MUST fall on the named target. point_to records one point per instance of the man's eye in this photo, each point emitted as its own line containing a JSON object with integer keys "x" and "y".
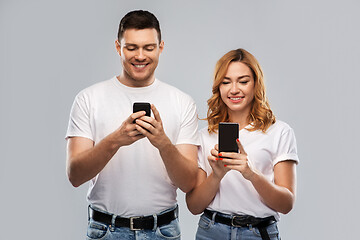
{"x": 150, "y": 49}
{"x": 130, "y": 48}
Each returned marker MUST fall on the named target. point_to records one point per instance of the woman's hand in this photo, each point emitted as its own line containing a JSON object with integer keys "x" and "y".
{"x": 219, "y": 170}
{"x": 238, "y": 161}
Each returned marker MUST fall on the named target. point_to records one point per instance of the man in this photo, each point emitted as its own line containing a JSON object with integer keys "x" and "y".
{"x": 134, "y": 162}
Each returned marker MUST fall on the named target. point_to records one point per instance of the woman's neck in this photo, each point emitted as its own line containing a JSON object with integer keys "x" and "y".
{"x": 241, "y": 119}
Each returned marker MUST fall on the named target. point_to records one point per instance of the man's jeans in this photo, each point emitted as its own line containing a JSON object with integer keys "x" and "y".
{"x": 97, "y": 230}
{"x": 208, "y": 229}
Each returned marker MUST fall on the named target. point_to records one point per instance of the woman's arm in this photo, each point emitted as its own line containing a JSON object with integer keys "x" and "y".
{"x": 278, "y": 195}
{"x": 206, "y": 187}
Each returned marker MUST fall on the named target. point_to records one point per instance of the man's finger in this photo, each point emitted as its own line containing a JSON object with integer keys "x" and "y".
{"x": 241, "y": 148}
{"x": 145, "y": 125}
{"x": 134, "y": 133}
{"x": 142, "y": 131}
{"x": 134, "y": 116}
{"x": 156, "y": 113}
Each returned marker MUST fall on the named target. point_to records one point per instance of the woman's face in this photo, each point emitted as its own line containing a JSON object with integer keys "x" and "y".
{"x": 237, "y": 89}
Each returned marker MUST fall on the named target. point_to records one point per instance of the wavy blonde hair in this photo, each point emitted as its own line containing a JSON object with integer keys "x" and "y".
{"x": 260, "y": 115}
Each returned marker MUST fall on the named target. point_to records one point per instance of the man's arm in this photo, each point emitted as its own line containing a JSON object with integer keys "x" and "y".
{"x": 180, "y": 160}
{"x": 181, "y": 164}
{"x": 85, "y": 160}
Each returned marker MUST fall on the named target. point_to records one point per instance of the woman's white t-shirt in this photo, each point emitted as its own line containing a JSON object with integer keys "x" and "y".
{"x": 237, "y": 195}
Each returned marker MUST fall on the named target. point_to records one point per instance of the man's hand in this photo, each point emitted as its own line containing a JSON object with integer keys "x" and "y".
{"x": 152, "y": 128}
{"x": 127, "y": 133}
{"x": 179, "y": 160}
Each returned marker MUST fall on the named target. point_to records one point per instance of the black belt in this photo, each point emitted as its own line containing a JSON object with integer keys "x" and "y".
{"x": 134, "y": 223}
{"x": 244, "y": 221}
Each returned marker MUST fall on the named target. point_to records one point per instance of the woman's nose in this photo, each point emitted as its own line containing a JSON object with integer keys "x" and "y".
{"x": 234, "y": 88}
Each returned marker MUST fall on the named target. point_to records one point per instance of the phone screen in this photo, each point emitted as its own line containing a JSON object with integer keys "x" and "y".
{"x": 142, "y": 106}
{"x": 228, "y": 133}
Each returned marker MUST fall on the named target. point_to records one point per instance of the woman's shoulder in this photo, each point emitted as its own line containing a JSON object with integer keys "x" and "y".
{"x": 203, "y": 130}
{"x": 280, "y": 126}
{"x": 204, "y": 134}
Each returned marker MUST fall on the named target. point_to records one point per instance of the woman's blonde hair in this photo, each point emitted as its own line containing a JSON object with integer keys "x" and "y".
{"x": 261, "y": 117}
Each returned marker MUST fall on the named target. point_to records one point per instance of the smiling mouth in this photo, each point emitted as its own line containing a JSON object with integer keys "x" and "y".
{"x": 236, "y": 98}
{"x": 140, "y": 66}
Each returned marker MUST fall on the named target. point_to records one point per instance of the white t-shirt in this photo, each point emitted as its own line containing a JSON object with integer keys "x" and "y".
{"x": 237, "y": 195}
{"x": 135, "y": 181}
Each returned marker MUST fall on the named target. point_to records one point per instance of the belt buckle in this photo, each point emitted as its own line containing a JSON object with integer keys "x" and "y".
{"x": 132, "y": 224}
{"x": 232, "y": 222}
{"x": 237, "y": 225}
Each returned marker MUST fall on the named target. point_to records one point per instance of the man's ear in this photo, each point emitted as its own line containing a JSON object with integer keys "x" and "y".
{"x": 161, "y": 46}
{"x": 118, "y": 46}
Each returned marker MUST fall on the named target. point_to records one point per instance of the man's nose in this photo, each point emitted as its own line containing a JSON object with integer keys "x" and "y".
{"x": 140, "y": 55}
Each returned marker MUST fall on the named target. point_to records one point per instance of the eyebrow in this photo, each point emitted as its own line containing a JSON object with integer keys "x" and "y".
{"x": 135, "y": 45}
{"x": 241, "y": 77}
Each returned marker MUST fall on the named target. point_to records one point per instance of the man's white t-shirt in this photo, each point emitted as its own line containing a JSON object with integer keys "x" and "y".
{"x": 237, "y": 195}
{"x": 135, "y": 181}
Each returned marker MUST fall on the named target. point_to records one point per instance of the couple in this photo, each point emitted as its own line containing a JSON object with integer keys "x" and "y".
{"x": 135, "y": 163}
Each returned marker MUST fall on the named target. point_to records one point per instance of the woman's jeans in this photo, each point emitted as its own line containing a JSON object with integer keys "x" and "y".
{"x": 97, "y": 230}
{"x": 209, "y": 229}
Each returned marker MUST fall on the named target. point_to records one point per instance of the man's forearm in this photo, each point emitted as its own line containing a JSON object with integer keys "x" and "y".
{"x": 181, "y": 164}
{"x": 84, "y": 165}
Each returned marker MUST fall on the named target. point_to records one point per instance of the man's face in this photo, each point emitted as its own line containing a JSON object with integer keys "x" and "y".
{"x": 139, "y": 51}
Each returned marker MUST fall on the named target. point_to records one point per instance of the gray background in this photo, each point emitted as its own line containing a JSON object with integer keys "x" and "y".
{"x": 50, "y": 50}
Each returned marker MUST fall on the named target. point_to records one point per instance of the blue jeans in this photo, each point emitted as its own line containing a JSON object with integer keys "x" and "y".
{"x": 100, "y": 231}
{"x": 209, "y": 229}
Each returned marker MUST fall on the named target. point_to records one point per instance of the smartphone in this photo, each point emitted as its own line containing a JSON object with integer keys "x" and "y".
{"x": 228, "y": 133}
{"x": 142, "y": 106}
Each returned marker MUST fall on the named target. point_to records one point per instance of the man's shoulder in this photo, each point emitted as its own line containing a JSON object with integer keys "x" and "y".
{"x": 98, "y": 87}
{"x": 170, "y": 89}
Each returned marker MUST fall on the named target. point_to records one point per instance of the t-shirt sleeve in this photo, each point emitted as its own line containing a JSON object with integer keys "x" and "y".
{"x": 189, "y": 125}
{"x": 201, "y": 158}
{"x": 79, "y": 122}
{"x": 287, "y": 149}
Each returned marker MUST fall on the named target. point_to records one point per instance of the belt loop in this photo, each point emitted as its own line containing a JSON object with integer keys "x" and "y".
{"x": 155, "y": 222}
{"x": 213, "y": 218}
{"x": 88, "y": 211}
{"x": 112, "y": 226}
{"x": 176, "y": 211}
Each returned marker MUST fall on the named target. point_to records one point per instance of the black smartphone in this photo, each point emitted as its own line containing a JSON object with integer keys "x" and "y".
{"x": 228, "y": 133}
{"x": 142, "y": 106}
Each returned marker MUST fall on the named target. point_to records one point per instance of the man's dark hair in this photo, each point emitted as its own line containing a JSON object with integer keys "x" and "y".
{"x": 138, "y": 19}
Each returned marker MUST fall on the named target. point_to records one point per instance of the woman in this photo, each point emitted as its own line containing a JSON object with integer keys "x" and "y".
{"x": 242, "y": 194}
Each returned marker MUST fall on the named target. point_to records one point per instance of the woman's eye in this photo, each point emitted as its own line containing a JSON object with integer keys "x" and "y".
{"x": 244, "y": 82}
{"x": 225, "y": 82}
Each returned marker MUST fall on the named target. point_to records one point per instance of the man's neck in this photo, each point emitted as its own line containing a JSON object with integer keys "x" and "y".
{"x": 130, "y": 82}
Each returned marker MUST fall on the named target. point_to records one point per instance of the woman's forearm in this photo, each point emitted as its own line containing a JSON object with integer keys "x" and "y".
{"x": 203, "y": 194}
